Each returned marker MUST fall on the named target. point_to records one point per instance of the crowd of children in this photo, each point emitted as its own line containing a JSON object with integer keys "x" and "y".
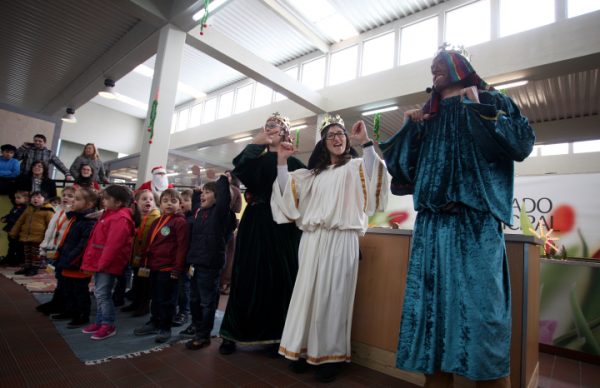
{"x": 99, "y": 235}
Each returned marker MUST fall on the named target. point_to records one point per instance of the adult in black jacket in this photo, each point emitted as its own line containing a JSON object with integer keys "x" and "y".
{"x": 37, "y": 179}
{"x": 206, "y": 257}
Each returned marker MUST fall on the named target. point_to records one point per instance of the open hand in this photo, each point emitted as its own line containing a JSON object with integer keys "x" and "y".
{"x": 262, "y": 138}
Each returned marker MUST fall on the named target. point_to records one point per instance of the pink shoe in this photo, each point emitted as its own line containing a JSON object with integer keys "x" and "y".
{"x": 105, "y": 331}
{"x": 91, "y": 328}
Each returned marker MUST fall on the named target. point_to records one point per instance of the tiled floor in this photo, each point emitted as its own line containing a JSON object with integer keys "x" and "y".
{"x": 558, "y": 372}
{"x": 32, "y": 354}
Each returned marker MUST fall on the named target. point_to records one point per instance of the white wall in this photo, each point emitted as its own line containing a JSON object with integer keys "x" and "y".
{"x": 108, "y": 129}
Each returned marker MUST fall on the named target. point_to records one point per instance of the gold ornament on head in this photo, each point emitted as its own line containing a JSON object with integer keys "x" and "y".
{"x": 284, "y": 120}
{"x": 330, "y": 120}
{"x": 456, "y": 48}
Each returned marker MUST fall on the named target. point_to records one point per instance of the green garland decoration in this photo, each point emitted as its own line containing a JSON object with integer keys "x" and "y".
{"x": 203, "y": 23}
{"x": 377, "y": 126}
{"x": 152, "y": 118}
{"x": 297, "y": 138}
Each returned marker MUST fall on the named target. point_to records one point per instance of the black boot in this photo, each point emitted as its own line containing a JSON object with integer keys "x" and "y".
{"x": 326, "y": 373}
{"x": 227, "y": 347}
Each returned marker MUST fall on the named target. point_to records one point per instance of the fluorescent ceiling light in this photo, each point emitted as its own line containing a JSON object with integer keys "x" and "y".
{"x": 242, "y": 139}
{"x": 511, "y": 85}
{"x": 183, "y": 88}
{"x": 374, "y": 111}
{"x": 172, "y": 174}
{"x": 298, "y": 127}
{"x": 211, "y": 7}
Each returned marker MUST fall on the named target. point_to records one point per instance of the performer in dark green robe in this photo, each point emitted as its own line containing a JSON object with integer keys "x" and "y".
{"x": 456, "y": 157}
{"x": 266, "y": 254}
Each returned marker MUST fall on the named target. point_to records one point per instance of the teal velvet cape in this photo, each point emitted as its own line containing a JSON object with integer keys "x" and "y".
{"x": 459, "y": 166}
{"x": 266, "y": 255}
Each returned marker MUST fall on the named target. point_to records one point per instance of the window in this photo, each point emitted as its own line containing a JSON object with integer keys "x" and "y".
{"x": 292, "y": 72}
{"x": 579, "y": 7}
{"x": 518, "y": 15}
{"x": 419, "y": 41}
{"x": 463, "y": 21}
{"x": 182, "y": 119}
{"x": 342, "y": 66}
{"x": 210, "y": 108}
{"x": 535, "y": 152}
{"x": 554, "y": 149}
{"x": 244, "y": 98}
{"x": 225, "y": 105}
{"x": 263, "y": 95}
{"x": 378, "y": 54}
{"x": 581, "y": 147}
{"x": 313, "y": 74}
{"x": 195, "y": 116}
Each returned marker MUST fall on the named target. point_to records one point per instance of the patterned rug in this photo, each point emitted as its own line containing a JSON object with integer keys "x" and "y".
{"x": 43, "y": 282}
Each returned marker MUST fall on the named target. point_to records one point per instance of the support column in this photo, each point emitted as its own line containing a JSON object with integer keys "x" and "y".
{"x": 155, "y": 151}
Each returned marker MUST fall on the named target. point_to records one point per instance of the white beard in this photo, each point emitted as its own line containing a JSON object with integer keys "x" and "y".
{"x": 160, "y": 183}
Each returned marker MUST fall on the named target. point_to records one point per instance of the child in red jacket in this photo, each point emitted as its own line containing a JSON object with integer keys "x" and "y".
{"x": 106, "y": 255}
{"x": 163, "y": 262}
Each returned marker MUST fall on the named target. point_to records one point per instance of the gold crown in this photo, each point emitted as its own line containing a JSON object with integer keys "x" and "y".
{"x": 456, "y": 48}
{"x": 331, "y": 119}
{"x": 281, "y": 118}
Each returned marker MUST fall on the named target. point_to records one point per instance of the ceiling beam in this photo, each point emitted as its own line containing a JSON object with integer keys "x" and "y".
{"x": 135, "y": 47}
{"x": 238, "y": 58}
{"x": 143, "y": 10}
{"x": 297, "y": 24}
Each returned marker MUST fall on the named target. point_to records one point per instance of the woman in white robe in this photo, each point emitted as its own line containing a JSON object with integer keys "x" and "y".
{"x": 330, "y": 203}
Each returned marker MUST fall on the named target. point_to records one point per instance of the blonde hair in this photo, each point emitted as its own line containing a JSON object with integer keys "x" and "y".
{"x": 96, "y": 156}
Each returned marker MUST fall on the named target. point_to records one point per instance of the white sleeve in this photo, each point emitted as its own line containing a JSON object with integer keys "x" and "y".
{"x": 369, "y": 156}
{"x": 282, "y": 176}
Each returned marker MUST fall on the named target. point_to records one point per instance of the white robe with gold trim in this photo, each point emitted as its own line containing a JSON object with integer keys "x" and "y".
{"x": 332, "y": 210}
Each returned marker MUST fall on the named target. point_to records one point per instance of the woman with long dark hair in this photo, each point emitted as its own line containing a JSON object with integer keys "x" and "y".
{"x": 330, "y": 203}
{"x": 37, "y": 180}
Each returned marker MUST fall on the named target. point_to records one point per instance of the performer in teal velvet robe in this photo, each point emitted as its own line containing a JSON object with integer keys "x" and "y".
{"x": 456, "y": 157}
{"x": 266, "y": 253}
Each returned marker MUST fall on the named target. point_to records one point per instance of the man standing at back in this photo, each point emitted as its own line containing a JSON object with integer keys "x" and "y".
{"x": 30, "y": 152}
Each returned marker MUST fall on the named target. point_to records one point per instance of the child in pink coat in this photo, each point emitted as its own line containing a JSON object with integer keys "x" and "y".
{"x": 106, "y": 255}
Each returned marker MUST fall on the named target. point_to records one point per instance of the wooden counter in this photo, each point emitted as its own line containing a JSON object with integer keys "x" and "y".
{"x": 380, "y": 294}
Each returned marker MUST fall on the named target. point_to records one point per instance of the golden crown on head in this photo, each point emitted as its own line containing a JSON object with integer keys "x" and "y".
{"x": 456, "y": 48}
{"x": 281, "y": 118}
{"x": 331, "y": 119}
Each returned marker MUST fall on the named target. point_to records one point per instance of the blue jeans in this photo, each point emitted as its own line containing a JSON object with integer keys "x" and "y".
{"x": 105, "y": 308}
{"x": 205, "y": 288}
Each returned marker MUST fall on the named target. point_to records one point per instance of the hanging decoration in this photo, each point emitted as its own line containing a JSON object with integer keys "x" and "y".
{"x": 152, "y": 118}
{"x": 297, "y": 138}
{"x": 376, "y": 126}
{"x": 204, "y": 18}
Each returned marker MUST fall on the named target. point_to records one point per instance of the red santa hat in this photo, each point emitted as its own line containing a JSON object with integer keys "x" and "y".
{"x": 159, "y": 170}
